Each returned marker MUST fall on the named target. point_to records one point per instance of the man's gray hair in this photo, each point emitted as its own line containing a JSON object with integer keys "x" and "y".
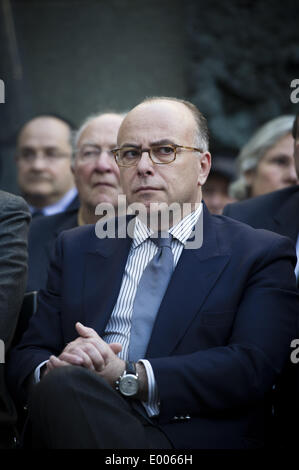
{"x": 85, "y": 124}
{"x": 202, "y": 132}
{"x": 253, "y": 151}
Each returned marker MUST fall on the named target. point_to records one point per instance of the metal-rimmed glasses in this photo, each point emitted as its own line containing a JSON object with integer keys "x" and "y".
{"x": 159, "y": 154}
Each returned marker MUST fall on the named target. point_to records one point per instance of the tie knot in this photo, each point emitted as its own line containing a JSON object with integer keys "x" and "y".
{"x": 163, "y": 239}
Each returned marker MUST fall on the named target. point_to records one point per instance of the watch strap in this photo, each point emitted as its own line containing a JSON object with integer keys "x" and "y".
{"x": 131, "y": 368}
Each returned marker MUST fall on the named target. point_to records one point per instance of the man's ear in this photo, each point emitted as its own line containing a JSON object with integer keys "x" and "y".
{"x": 204, "y": 162}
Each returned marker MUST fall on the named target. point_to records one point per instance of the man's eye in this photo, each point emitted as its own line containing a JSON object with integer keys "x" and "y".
{"x": 130, "y": 153}
{"x": 90, "y": 153}
{"x": 165, "y": 150}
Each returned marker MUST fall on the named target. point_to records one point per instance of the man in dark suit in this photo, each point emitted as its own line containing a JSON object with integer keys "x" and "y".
{"x": 211, "y": 340}
{"x": 14, "y": 222}
{"x": 43, "y": 159}
{"x": 97, "y": 179}
{"x": 278, "y": 211}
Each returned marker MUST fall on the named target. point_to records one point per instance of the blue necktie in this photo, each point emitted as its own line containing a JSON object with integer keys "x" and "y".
{"x": 149, "y": 295}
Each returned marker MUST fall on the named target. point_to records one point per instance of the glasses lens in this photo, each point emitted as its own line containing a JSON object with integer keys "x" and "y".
{"x": 128, "y": 156}
{"x": 163, "y": 153}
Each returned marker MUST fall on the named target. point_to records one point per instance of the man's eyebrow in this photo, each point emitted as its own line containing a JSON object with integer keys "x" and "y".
{"x": 157, "y": 142}
{"x": 91, "y": 144}
{"x": 163, "y": 142}
{"x": 128, "y": 144}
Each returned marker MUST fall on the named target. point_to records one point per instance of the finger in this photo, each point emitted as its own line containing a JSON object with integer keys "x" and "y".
{"x": 91, "y": 351}
{"x": 116, "y": 347}
{"x": 54, "y": 362}
{"x": 71, "y": 359}
{"x": 78, "y": 352}
{"x": 85, "y": 331}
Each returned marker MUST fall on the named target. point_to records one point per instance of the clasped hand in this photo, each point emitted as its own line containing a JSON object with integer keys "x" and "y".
{"x": 91, "y": 351}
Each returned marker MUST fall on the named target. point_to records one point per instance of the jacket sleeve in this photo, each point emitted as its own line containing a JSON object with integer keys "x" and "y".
{"x": 241, "y": 372}
{"x": 14, "y": 223}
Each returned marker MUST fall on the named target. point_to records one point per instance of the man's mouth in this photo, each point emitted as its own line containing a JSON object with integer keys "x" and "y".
{"x": 146, "y": 188}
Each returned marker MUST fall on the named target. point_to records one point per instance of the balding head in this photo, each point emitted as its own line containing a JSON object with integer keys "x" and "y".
{"x": 184, "y": 108}
{"x": 43, "y": 158}
{"x": 167, "y": 124}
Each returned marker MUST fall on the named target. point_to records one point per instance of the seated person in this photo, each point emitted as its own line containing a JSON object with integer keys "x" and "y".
{"x": 172, "y": 335}
{"x": 14, "y": 223}
{"x": 278, "y": 211}
{"x": 215, "y": 191}
{"x": 266, "y": 162}
{"x": 43, "y": 159}
{"x": 97, "y": 179}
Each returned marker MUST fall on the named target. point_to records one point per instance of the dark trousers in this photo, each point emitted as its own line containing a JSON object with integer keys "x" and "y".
{"x": 74, "y": 408}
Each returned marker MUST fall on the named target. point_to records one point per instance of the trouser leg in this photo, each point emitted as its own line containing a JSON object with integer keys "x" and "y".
{"x": 75, "y": 408}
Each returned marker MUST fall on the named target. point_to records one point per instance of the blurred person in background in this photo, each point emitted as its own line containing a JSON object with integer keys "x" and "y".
{"x": 216, "y": 189}
{"x": 14, "y": 223}
{"x": 96, "y": 175}
{"x": 43, "y": 159}
{"x": 266, "y": 163}
{"x": 278, "y": 211}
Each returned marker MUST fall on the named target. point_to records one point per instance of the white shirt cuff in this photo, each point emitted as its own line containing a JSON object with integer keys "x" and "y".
{"x": 152, "y": 405}
{"x": 36, "y": 376}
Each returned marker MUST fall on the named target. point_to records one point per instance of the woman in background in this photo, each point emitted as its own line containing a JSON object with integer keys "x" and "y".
{"x": 266, "y": 162}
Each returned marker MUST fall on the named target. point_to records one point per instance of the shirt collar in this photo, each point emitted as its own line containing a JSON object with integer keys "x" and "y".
{"x": 181, "y": 231}
{"x": 59, "y": 206}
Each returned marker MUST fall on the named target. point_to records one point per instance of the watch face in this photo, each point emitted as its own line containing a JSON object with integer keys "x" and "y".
{"x": 128, "y": 385}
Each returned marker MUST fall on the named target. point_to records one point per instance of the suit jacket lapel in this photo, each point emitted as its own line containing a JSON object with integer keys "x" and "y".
{"x": 194, "y": 277}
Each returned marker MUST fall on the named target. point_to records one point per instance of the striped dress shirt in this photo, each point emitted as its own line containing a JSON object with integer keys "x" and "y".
{"x": 141, "y": 252}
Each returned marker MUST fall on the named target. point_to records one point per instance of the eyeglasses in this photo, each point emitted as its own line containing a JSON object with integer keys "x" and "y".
{"x": 91, "y": 153}
{"x": 49, "y": 155}
{"x": 159, "y": 154}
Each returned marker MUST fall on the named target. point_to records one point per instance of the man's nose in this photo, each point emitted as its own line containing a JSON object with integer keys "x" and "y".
{"x": 39, "y": 162}
{"x": 145, "y": 164}
{"x": 105, "y": 161}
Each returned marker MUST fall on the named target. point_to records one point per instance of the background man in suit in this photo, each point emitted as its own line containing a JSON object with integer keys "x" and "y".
{"x": 96, "y": 176}
{"x": 43, "y": 158}
{"x": 278, "y": 211}
{"x": 181, "y": 358}
{"x": 14, "y": 222}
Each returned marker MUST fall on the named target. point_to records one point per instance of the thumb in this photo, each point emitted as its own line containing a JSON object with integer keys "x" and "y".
{"x": 84, "y": 331}
{"x": 116, "y": 347}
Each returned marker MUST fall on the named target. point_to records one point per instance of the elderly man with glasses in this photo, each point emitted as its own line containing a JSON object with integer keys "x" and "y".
{"x": 154, "y": 340}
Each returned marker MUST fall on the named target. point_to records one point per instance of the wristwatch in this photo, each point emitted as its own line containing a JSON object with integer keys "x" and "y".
{"x": 128, "y": 383}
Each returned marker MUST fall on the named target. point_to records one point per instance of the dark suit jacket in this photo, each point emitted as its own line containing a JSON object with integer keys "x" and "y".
{"x": 277, "y": 211}
{"x": 221, "y": 336}
{"x": 14, "y": 223}
{"x": 42, "y": 235}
